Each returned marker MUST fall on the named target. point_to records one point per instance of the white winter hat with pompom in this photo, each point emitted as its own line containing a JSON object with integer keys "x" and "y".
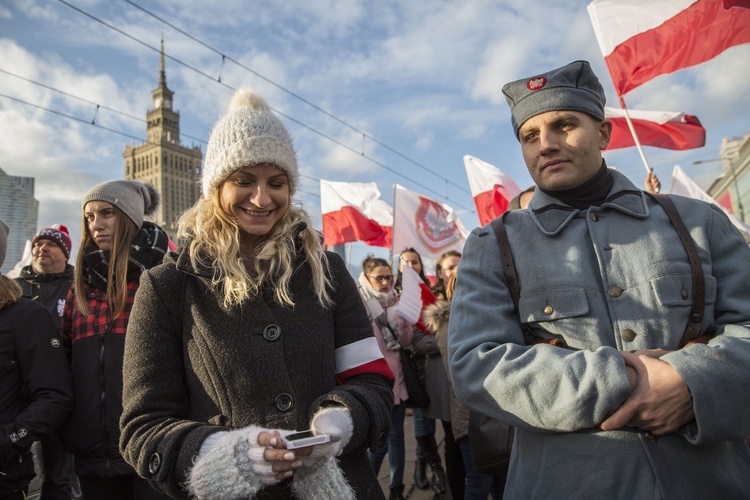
{"x": 248, "y": 134}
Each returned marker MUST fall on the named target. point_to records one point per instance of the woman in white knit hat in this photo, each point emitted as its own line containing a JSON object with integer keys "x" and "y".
{"x": 251, "y": 332}
{"x": 117, "y": 245}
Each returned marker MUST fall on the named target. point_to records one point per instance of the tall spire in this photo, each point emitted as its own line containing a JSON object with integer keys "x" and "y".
{"x": 162, "y": 73}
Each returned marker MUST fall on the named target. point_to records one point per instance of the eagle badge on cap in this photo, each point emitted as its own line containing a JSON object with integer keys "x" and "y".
{"x": 536, "y": 83}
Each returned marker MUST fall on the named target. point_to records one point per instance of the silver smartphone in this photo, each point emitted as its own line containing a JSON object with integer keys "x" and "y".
{"x": 304, "y": 438}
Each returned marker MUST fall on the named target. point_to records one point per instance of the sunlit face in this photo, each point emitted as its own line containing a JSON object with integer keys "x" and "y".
{"x": 256, "y": 197}
{"x": 412, "y": 260}
{"x": 381, "y": 278}
{"x": 447, "y": 267}
{"x": 47, "y": 257}
{"x": 562, "y": 149}
{"x": 101, "y": 222}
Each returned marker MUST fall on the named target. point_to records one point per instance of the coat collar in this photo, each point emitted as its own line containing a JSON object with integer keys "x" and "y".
{"x": 552, "y": 216}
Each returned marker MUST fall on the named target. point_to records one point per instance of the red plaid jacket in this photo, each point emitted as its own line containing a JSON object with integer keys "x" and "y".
{"x": 97, "y": 344}
{"x": 76, "y": 326}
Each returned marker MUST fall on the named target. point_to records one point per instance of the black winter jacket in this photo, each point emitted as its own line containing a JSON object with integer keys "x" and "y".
{"x": 260, "y": 364}
{"x": 48, "y": 289}
{"x": 35, "y": 388}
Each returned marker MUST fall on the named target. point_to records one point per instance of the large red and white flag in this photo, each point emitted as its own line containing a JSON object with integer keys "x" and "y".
{"x": 685, "y": 186}
{"x": 642, "y": 39}
{"x": 491, "y": 188}
{"x": 429, "y": 227}
{"x": 353, "y": 211}
{"x": 661, "y": 129}
{"x": 415, "y": 296}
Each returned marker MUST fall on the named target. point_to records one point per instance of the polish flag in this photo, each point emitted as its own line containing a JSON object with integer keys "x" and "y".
{"x": 660, "y": 129}
{"x": 685, "y": 186}
{"x": 642, "y": 39}
{"x": 415, "y": 296}
{"x": 429, "y": 227}
{"x": 491, "y": 188}
{"x": 353, "y": 211}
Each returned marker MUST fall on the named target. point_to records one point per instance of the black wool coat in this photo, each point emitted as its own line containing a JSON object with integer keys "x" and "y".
{"x": 193, "y": 367}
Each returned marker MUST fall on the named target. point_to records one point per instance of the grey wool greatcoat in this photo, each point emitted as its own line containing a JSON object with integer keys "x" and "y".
{"x": 194, "y": 371}
{"x": 607, "y": 279}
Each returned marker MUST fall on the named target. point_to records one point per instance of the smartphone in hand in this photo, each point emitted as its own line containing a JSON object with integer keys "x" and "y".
{"x": 304, "y": 438}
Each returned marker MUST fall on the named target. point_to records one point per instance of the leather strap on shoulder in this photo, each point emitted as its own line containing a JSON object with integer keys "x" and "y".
{"x": 693, "y": 329}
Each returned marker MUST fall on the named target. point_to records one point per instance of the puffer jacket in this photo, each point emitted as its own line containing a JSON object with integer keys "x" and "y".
{"x": 35, "y": 389}
{"x": 49, "y": 289}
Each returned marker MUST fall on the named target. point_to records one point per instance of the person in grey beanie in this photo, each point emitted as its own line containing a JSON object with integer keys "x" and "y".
{"x": 250, "y": 333}
{"x": 117, "y": 245}
{"x": 35, "y": 389}
{"x": 619, "y": 350}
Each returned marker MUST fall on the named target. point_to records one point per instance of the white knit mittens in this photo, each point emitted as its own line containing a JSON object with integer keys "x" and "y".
{"x": 320, "y": 478}
{"x": 232, "y": 467}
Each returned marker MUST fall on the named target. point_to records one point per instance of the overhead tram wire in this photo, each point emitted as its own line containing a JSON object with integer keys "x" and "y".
{"x": 99, "y": 106}
{"x": 293, "y": 94}
{"x": 298, "y": 122}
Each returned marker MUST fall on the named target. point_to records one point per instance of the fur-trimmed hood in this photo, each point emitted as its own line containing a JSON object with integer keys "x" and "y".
{"x": 436, "y": 315}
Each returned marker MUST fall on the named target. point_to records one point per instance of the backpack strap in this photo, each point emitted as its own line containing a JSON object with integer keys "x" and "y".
{"x": 693, "y": 329}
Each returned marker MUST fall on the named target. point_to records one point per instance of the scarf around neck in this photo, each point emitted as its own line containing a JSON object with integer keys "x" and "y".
{"x": 592, "y": 192}
{"x": 147, "y": 250}
{"x": 379, "y": 310}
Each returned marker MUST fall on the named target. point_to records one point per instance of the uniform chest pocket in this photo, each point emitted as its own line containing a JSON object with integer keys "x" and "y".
{"x": 553, "y": 304}
{"x": 677, "y": 290}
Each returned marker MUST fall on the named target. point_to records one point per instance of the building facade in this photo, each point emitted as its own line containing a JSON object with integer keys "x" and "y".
{"x": 732, "y": 188}
{"x": 173, "y": 169}
{"x": 20, "y": 210}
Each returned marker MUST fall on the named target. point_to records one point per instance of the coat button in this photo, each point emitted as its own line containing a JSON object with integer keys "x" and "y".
{"x": 595, "y": 217}
{"x": 284, "y": 401}
{"x": 154, "y": 464}
{"x": 615, "y": 291}
{"x": 548, "y": 310}
{"x": 684, "y": 294}
{"x": 271, "y": 332}
{"x": 628, "y": 335}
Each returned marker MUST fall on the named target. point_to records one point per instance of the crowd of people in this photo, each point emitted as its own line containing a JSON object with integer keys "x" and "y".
{"x": 608, "y": 326}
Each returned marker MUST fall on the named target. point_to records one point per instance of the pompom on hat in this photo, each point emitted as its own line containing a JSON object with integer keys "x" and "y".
{"x": 134, "y": 198}
{"x": 57, "y": 234}
{"x": 248, "y": 134}
{"x": 573, "y": 87}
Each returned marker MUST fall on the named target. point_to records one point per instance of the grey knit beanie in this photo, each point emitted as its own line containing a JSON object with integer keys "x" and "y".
{"x": 574, "y": 87}
{"x": 134, "y": 198}
{"x": 248, "y": 134}
{"x": 4, "y": 230}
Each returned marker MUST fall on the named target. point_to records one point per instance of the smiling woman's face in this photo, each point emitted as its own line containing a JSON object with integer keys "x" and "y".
{"x": 256, "y": 197}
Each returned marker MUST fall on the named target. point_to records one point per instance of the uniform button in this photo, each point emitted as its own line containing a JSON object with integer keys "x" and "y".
{"x": 628, "y": 335}
{"x": 154, "y": 463}
{"x": 615, "y": 291}
{"x": 595, "y": 217}
{"x": 271, "y": 332}
{"x": 684, "y": 294}
{"x": 284, "y": 401}
{"x": 695, "y": 318}
{"x": 548, "y": 310}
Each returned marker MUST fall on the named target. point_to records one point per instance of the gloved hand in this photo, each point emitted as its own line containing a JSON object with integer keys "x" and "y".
{"x": 336, "y": 422}
{"x": 231, "y": 466}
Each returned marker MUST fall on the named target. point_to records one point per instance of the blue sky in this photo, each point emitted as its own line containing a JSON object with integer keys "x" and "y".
{"x": 423, "y": 78}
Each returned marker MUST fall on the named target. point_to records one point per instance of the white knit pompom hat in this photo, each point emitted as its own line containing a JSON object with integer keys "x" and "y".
{"x": 248, "y": 134}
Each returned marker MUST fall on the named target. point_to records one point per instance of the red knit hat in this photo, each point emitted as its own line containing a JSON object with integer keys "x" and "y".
{"x": 57, "y": 234}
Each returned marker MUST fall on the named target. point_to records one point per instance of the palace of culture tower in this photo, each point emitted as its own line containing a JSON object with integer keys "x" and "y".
{"x": 174, "y": 170}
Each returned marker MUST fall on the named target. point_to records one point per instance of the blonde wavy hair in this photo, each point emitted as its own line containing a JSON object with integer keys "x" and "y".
{"x": 213, "y": 240}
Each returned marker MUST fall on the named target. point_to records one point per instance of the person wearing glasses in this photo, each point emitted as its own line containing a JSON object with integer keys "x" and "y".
{"x": 380, "y": 298}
